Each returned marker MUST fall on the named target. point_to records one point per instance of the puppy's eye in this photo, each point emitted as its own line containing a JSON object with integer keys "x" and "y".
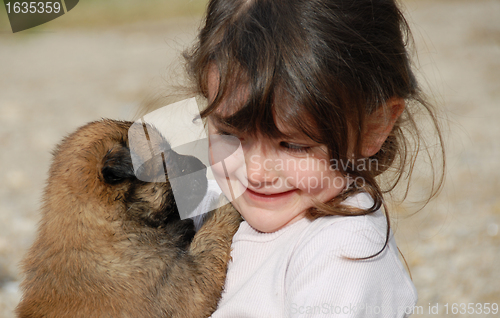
{"x": 117, "y": 166}
{"x": 112, "y": 175}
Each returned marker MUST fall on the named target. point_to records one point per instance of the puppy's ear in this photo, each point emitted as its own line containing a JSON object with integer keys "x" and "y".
{"x": 117, "y": 165}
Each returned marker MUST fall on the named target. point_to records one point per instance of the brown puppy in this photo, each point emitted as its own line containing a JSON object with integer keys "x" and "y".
{"x": 110, "y": 245}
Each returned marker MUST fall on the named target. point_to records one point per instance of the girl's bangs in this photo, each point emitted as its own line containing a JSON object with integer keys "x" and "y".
{"x": 267, "y": 110}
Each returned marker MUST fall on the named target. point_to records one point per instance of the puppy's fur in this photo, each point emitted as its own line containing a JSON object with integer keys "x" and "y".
{"x": 110, "y": 245}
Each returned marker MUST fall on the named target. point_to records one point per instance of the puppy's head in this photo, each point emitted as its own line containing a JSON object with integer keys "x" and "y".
{"x": 148, "y": 186}
{"x": 93, "y": 176}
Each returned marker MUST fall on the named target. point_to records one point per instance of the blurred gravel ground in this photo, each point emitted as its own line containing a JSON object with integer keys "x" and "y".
{"x": 54, "y": 81}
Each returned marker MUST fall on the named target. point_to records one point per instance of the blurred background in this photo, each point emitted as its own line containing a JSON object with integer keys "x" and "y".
{"x": 108, "y": 58}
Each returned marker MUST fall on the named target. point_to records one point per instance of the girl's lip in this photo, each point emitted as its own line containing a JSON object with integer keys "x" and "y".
{"x": 269, "y": 197}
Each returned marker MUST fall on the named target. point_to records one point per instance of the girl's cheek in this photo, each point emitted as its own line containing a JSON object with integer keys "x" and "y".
{"x": 226, "y": 154}
{"x": 315, "y": 181}
{"x": 228, "y": 167}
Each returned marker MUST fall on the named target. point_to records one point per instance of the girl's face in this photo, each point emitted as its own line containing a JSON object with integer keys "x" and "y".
{"x": 272, "y": 182}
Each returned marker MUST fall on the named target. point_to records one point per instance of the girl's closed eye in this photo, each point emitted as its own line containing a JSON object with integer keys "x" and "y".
{"x": 217, "y": 128}
{"x": 223, "y": 132}
{"x": 295, "y": 148}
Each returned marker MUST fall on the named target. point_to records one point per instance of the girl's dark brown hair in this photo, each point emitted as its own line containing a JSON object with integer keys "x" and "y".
{"x": 320, "y": 67}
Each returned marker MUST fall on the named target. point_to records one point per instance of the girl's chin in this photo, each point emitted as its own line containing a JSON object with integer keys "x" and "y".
{"x": 265, "y": 227}
{"x": 270, "y": 213}
{"x": 267, "y": 221}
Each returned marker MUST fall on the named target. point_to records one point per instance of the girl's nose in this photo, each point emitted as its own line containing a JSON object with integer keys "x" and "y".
{"x": 260, "y": 166}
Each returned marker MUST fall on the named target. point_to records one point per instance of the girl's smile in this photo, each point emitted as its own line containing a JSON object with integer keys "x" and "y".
{"x": 267, "y": 197}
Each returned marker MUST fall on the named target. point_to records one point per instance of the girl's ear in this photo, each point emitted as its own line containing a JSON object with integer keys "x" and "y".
{"x": 379, "y": 125}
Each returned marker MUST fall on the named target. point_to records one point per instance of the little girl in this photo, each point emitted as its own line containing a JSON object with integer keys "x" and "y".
{"x": 318, "y": 93}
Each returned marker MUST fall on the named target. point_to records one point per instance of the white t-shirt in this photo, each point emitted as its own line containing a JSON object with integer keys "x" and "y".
{"x": 302, "y": 270}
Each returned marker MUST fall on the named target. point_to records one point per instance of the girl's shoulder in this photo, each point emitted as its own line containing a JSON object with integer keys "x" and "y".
{"x": 376, "y": 221}
{"x": 348, "y": 236}
{"x": 344, "y": 261}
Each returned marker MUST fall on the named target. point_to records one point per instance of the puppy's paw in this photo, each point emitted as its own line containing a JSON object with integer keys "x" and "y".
{"x": 219, "y": 228}
{"x": 226, "y": 216}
